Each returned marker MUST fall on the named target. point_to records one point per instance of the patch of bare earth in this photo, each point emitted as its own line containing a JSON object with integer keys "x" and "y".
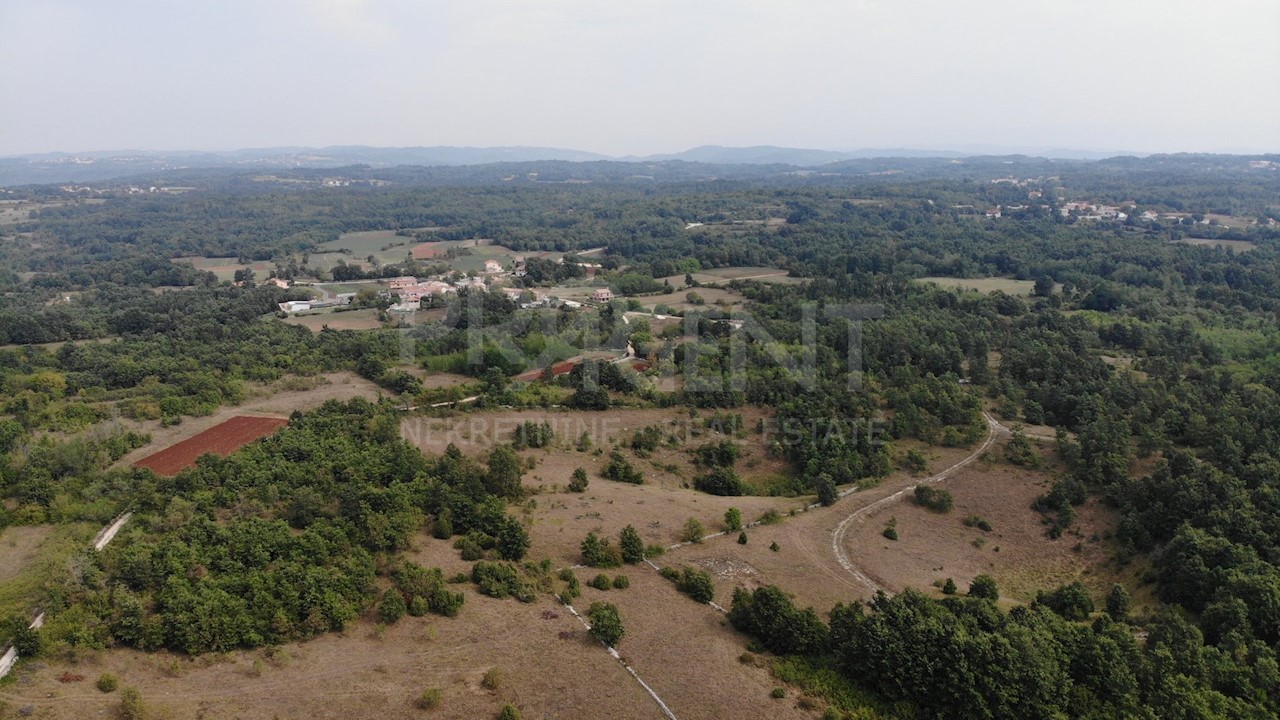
{"x": 268, "y": 400}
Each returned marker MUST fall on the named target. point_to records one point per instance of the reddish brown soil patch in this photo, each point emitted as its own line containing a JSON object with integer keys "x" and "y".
{"x": 427, "y": 251}
{"x": 222, "y": 439}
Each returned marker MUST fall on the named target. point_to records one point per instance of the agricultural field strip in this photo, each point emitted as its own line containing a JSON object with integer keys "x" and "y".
{"x": 994, "y": 429}
{"x": 665, "y": 710}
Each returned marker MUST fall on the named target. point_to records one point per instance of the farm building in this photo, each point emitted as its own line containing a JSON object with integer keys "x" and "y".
{"x": 294, "y": 306}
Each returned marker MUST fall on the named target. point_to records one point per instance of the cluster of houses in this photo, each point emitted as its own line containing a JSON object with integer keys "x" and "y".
{"x": 1090, "y": 211}
{"x": 409, "y": 291}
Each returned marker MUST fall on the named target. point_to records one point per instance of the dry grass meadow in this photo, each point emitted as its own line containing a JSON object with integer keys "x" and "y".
{"x": 547, "y": 664}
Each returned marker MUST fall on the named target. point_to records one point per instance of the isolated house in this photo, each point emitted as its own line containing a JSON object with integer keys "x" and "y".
{"x": 492, "y": 267}
{"x": 602, "y": 295}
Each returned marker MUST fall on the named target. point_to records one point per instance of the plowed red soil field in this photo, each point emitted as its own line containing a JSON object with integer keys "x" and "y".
{"x": 221, "y": 439}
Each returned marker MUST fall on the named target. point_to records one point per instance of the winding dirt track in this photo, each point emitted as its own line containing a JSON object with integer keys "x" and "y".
{"x": 994, "y": 430}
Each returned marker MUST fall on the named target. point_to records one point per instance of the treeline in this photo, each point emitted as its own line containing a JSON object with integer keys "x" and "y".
{"x": 966, "y": 658}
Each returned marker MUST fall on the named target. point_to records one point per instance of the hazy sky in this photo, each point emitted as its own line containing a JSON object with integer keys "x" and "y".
{"x": 640, "y": 76}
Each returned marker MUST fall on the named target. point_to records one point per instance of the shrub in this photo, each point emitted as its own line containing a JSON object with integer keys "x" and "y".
{"x": 949, "y": 587}
{"x": 509, "y": 712}
{"x": 631, "y": 545}
{"x": 598, "y": 553}
{"x": 579, "y": 482}
{"x": 720, "y": 481}
{"x": 978, "y": 522}
{"x": 742, "y": 538}
{"x": 733, "y": 519}
{"x": 621, "y": 582}
{"x": 914, "y": 462}
{"x": 606, "y": 625}
{"x": 392, "y": 607}
{"x": 1118, "y": 602}
{"x": 108, "y": 683}
{"x": 429, "y": 699}
{"x": 618, "y": 469}
{"x": 692, "y": 531}
{"x": 890, "y": 533}
{"x": 770, "y": 518}
{"x": 774, "y": 546}
{"x": 1070, "y": 601}
{"x": 500, "y": 580}
{"x": 492, "y": 679}
{"x": 984, "y": 586}
{"x": 696, "y": 584}
{"x": 936, "y": 500}
{"x": 778, "y": 693}
{"x": 600, "y": 582}
{"x": 131, "y": 707}
{"x": 530, "y": 434}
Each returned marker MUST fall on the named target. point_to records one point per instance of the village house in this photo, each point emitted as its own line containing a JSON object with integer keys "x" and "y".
{"x": 402, "y": 282}
{"x": 492, "y": 267}
{"x": 602, "y": 295}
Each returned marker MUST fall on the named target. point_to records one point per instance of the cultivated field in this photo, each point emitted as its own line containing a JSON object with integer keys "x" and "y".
{"x": 277, "y": 399}
{"x": 1009, "y": 286}
{"x": 221, "y": 439}
{"x": 1235, "y": 246}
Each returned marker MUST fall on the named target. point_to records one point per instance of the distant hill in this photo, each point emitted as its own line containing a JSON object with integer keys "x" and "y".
{"x": 87, "y": 167}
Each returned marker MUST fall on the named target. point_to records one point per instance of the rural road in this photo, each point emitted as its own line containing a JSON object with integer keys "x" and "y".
{"x": 994, "y": 430}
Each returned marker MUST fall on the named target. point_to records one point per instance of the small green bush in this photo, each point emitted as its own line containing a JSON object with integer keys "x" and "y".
{"x": 108, "y": 683}
{"x": 430, "y": 699}
{"x": 778, "y": 693}
{"x": 621, "y": 582}
{"x": 890, "y": 533}
{"x": 600, "y": 582}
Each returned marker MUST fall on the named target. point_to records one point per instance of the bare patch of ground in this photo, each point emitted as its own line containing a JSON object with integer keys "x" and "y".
{"x": 277, "y": 399}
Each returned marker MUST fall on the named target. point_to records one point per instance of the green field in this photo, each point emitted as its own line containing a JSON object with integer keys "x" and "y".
{"x": 225, "y": 268}
{"x": 32, "y": 557}
{"x": 1009, "y": 286}
{"x": 1235, "y": 246}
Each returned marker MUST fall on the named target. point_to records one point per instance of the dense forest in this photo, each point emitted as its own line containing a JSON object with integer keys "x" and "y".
{"x": 222, "y": 550}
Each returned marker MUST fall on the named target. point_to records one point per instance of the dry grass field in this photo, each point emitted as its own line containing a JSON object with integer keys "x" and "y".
{"x": 683, "y": 650}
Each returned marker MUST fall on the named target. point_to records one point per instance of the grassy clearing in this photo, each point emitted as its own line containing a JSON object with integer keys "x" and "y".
{"x": 225, "y": 268}
{"x": 1009, "y": 286}
{"x": 1235, "y": 246}
{"x": 31, "y": 557}
{"x": 366, "y": 319}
